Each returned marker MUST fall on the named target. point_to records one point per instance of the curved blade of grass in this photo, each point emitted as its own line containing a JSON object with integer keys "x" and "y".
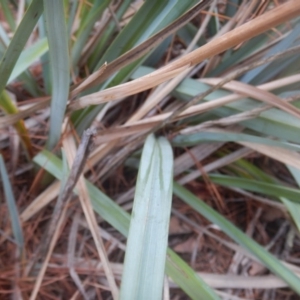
{"x": 247, "y": 170}
{"x": 237, "y": 235}
{"x": 4, "y": 39}
{"x": 144, "y": 265}
{"x": 45, "y": 61}
{"x": 12, "y": 207}
{"x": 119, "y": 219}
{"x": 71, "y": 17}
{"x": 293, "y": 208}
{"x": 19, "y": 40}
{"x": 270, "y": 189}
{"x": 59, "y": 58}
{"x": 102, "y": 204}
{"x": 28, "y": 57}
{"x": 225, "y": 136}
{"x": 8, "y": 14}
{"x": 180, "y": 268}
{"x": 244, "y": 168}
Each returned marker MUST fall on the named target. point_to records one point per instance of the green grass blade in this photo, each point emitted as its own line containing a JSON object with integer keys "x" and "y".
{"x": 71, "y": 17}
{"x": 27, "y": 57}
{"x": 19, "y": 40}
{"x": 59, "y": 58}
{"x": 237, "y": 235}
{"x": 144, "y": 265}
{"x": 246, "y": 169}
{"x": 102, "y": 204}
{"x": 11, "y": 204}
{"x": 45, "y": 60}
{"x": 225, "y": 136}
{"x": 119, "y": 219}
{"x": 270, "y": 189}
{"x": 4, "y": 39}
{"x": 190, "y": 281}
{"x": 8, "y": 14}
{"x": 293, "y": 208}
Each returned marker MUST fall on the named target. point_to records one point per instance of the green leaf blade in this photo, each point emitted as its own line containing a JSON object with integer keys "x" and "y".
{"x": 119, "y": 219}
{"x": 19, "y": 40}
{"x": 27, "y": 57}
{"x": 148, "y": 234}
{"x": 59, "y": 57}
{"x": 271, "y": 189}
{"x": 190, "y": 281}
{"x": 237, "y": 235}
{"x": 12, "y": 207}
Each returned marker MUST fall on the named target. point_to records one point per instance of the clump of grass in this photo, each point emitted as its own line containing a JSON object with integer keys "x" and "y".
{"x": 83, "y": 85}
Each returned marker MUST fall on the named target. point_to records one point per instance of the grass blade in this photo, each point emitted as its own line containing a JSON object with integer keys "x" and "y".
{"x": 59, "y": 57}
{"x": 237, "y": 235}
{"x": 144, "y": 265}
{"x": 27, "y": 57}
{"x": 186, "y": 283}
{"x": 120, "y": 219}
{"x": 19, "y": 40}
{"x": 271, "y": 189}
{"x": 8, "y": 14}
{"x": 227, "y": 136}
{"x": 11, "y": 204}
{"x": 293, "y": 208}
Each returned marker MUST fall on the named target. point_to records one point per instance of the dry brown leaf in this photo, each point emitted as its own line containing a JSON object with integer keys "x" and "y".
{"x": 41, "y": 201}
{"x": 285, "y": 156}
{"x": 126, "y": 89}
{"x": 70, "y": 150}
{"x": 83, "y": 85}
{"x": 256, "y": 93}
